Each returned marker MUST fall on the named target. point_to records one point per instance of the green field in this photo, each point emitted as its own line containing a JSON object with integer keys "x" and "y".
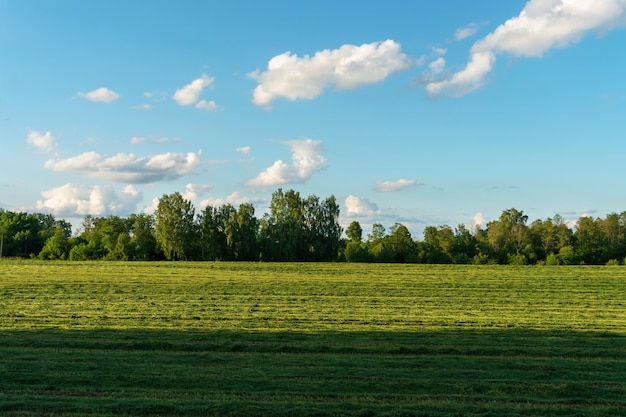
{"x": 261, "y": 339}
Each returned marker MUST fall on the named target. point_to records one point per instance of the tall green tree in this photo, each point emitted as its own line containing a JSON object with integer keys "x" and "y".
{"x": 591, "y": 241}
{"x": 142, "y": 237}
{"x": 401, "y": 244}
{"x": 508, "y": 234}
{"x": 175, "y": 227}
{"x": 241, "y": 230}
{"x": 283, "y": 232}
{"x": 354, "y": 232}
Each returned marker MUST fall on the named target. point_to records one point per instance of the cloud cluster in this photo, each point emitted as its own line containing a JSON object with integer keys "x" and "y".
{"x": 79, "y": 200}
{"x": 234, "y": 199}
{"x": 128, "y": 168}
{"x": 102, "y": 95}
{"x": 541, "y": 26}
{"x": 348, "y": 67}
{"x": 45, "y": 142}
{"x": 388, "y": 186}
{"x": 190, "y": 94}
{"x": 307, "y": 156}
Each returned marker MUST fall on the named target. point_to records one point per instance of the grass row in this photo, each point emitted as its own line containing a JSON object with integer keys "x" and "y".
{"x": 143, "y": 339}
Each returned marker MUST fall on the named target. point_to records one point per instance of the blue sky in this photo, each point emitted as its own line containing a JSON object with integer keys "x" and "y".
{"x": 424, "y": 112}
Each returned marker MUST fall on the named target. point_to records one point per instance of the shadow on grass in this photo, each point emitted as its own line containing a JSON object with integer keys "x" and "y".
{"x": 447, "y": 372}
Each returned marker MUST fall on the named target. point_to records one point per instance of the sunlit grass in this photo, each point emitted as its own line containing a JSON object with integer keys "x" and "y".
{"x": 310, "y": 339}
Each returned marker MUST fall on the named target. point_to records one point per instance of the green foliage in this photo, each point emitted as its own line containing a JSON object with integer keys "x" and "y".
{"x": 175, "y": 228}
{"x": 299, "y": 229}
{"x": 308, "y": 229}
{"x": 57, "y": 247}
{"x": 354, "y": 232}
{"x": 552, "y": 259}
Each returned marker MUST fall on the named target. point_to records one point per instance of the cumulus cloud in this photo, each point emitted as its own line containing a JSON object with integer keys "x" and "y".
{"x": 234, "y": 199}
{"x": 307, "y": 156}
{"x": 128, "y": 168}
{"x": 348, "y": 67}
{"x": 193, "y": 191}
{"x": 541, "y": 26}
{"x": 388, "y": 186}
{"x": 359, "y": 206}
{"x": 44, "y": 142}
{"x": 102, "y": 95}
{"x": 79, "y": 200}
{"x": 190, "y": 93}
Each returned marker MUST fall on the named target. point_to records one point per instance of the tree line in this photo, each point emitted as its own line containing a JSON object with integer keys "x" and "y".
{"x": 298, "y": 228}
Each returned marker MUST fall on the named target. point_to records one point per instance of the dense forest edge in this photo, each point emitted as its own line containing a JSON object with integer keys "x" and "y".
{"x": 307, "y": 230}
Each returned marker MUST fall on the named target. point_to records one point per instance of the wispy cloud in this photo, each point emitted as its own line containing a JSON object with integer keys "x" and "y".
{"x": 44, "y": 142}
{"x": 348, "y": 67}
{"x": 388, "y": 186}
{"x": 139, "y": 140}
{"x": 541, "y": 26}
{"x": 466, "y": 31}
{"x": 244, "y": 150}
{"x": 129, "y": 168}
{"x": 144, "y": 106}
{"x": 102, "y": 95}
{"x": 307, "y": 156}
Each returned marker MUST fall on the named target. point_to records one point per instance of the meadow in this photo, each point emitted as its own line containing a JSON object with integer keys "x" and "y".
{"x": 317, "y": 339}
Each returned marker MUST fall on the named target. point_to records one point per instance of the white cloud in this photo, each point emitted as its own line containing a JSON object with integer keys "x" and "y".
{"x": 387, "y": 186}
{"x": 206, "y": 105}
{"x": 542, "y": 25}
{"x": 190, "y": 93}
{"x": 128, "y": 168}
{"x": 137, "y": 140}
{"x": 347, "y": 67}
{"x": 466, "y": 32}
{"x": 479, "y": 220}
{"x": 73, "y": 199}
{"x": 307, "y": 156}
{"x": 193, "y": 191}
{"x": 360, "y": 207}
{"x": 438, "y": 65}
{"x": 143, "y": 107}
{"x": 45, "y": 142}
{"x": 154, "y": 205}
{"x": 102, "y": 95}
{"x": 245, "y": 150}
{"x": 440, "y": 51}
{"x": 467, "y": 80}
{"x": 234, "y": 199}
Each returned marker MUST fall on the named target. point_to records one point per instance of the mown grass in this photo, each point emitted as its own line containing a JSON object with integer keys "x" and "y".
{"x": 248, "y": 339}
